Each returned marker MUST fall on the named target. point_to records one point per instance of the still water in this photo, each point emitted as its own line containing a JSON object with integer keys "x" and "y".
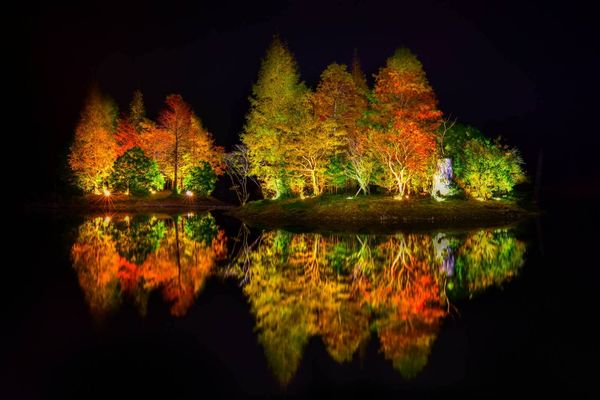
{"x": 200, "y": 303}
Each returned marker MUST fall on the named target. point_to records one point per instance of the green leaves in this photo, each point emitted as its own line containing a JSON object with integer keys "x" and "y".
{"x": 136, "y": 173}
{"x": 201, "y": 180}
{"x": 485, "y": 169}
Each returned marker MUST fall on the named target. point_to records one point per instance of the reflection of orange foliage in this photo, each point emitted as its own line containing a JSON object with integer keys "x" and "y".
{"x": 97, "y": 263}
{"x": 128, "y": 275}
{"x": 180, "y": 267}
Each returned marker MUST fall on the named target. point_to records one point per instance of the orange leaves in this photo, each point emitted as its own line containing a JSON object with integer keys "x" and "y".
{"x": 406, "y": 117}
{"x": 126, "y": 136}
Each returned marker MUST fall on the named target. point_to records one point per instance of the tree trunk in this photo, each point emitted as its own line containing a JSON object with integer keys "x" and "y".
{"x": 315, "y": 184}
{"x": 176, "y": 162}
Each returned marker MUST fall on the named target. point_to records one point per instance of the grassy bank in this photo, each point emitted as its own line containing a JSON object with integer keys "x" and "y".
{"x": 378, "y": 213}
{"x": 160, "y": 201}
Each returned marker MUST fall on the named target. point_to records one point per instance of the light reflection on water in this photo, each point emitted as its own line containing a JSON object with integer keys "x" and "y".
{"x": 343, "y": 288}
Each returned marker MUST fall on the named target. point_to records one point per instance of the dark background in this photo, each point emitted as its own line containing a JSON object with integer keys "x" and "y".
{"x": 526, "y": 71}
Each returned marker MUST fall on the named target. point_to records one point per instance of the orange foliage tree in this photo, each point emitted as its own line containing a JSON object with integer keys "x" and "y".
{"x": 179, "y": 142}
{"x": 94, "y": 149}
{"x": 404, "y": 122}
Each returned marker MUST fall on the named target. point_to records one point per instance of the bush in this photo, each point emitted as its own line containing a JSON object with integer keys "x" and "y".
{"x": 201, "y": 180}
{"x": 136, "y": 173}
{"x": 484, "y": 169}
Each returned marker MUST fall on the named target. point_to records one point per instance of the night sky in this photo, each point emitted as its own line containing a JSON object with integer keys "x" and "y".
{"x": 524, "y": 71}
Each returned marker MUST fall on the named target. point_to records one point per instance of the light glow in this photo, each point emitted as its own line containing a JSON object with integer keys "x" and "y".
{"x": 189, "y": 193}
{"x": 106, "y": 192}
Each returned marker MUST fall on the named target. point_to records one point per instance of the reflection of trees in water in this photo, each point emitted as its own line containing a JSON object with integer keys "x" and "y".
{"x": 342, "y": 288}
{"x": 135, "y": 257}
{"x": 337, "y": 287}
{"x": 96, "y": 261}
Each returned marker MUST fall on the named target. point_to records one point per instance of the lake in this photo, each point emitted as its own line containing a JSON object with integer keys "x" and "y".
{"x": 196, "y": 303}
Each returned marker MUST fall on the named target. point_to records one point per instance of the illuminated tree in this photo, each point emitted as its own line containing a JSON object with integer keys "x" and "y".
{"x": 358, "y": 76}
{"x": 276, "y": 110}
{"x": 485, "y": 169}
{"x": 238, "y": 169}
{"x": 179, "y": 142}
{"x": 405, "y": 120}
{"x": 134, "y": 172}
{"x": 201, "y": 180}
{"x": 94, "y": 149}
{"x": 129, "y": 127}
{"x": 333, "y": 112}
{"x": 137, "y": 111}
{"x": 126, "y": 137}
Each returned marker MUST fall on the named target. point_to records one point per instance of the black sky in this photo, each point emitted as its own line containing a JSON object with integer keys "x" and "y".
{"x": 525, "y": 71}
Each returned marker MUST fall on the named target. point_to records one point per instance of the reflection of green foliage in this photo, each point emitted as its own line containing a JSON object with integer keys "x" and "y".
{"x": 485, "y": 259}
{"x": 338, "y": 257}
{"x": 138, "y": 238}
{"x": 201, "y": 228}
{"x": 201, "y": 180}
{"x": 281, "y": 244}
{"x": 137, "y": 173}
{"x": 485, "y": 169}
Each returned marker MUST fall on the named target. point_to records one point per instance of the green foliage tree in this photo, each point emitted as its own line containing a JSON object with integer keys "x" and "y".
{"x": 136, "y": 173}
{"x": 276, "y": 110}
{"x": 201, "y": 180}
{"x": 484, "y": 169}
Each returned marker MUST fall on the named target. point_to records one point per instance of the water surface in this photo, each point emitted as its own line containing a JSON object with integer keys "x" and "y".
{"x": 164, "y": 303}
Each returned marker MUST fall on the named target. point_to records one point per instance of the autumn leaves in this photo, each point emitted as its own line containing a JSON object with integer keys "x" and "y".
{"x": 175, "y": 147}
{"x": 342, "y": 135}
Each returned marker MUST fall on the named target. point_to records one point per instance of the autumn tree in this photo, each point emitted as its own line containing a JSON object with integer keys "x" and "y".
{"x": 94, "y": 150}
{"x": 179, "y": 142}
{"x": 362, "y": 164}
{"x": 334, "y": 109}
{"x": 275, "y": 112}
{"x": 130, "y": 126}
{"x": 404, "y": 123}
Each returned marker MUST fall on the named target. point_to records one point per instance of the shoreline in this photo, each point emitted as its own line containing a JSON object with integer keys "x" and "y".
{"x": 338, "y": 213}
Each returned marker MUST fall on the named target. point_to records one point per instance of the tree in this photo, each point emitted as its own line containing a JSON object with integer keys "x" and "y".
{"x": 358, "y": 76}
{"x": 201, "y": 180}
{"x": 237, "y": 164}
{"x": 134, "y": 172}
{"x": 404, "y": 122}
{"x": 129, "y": 127}
{"x": 179, "y": 142}
{"x": 332, "y": 112}
{"x": 275, "y": 112}
{"x": 484, "y": 169}
{"x": 94, "y": 149}
{"x": 137, "y": 111}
